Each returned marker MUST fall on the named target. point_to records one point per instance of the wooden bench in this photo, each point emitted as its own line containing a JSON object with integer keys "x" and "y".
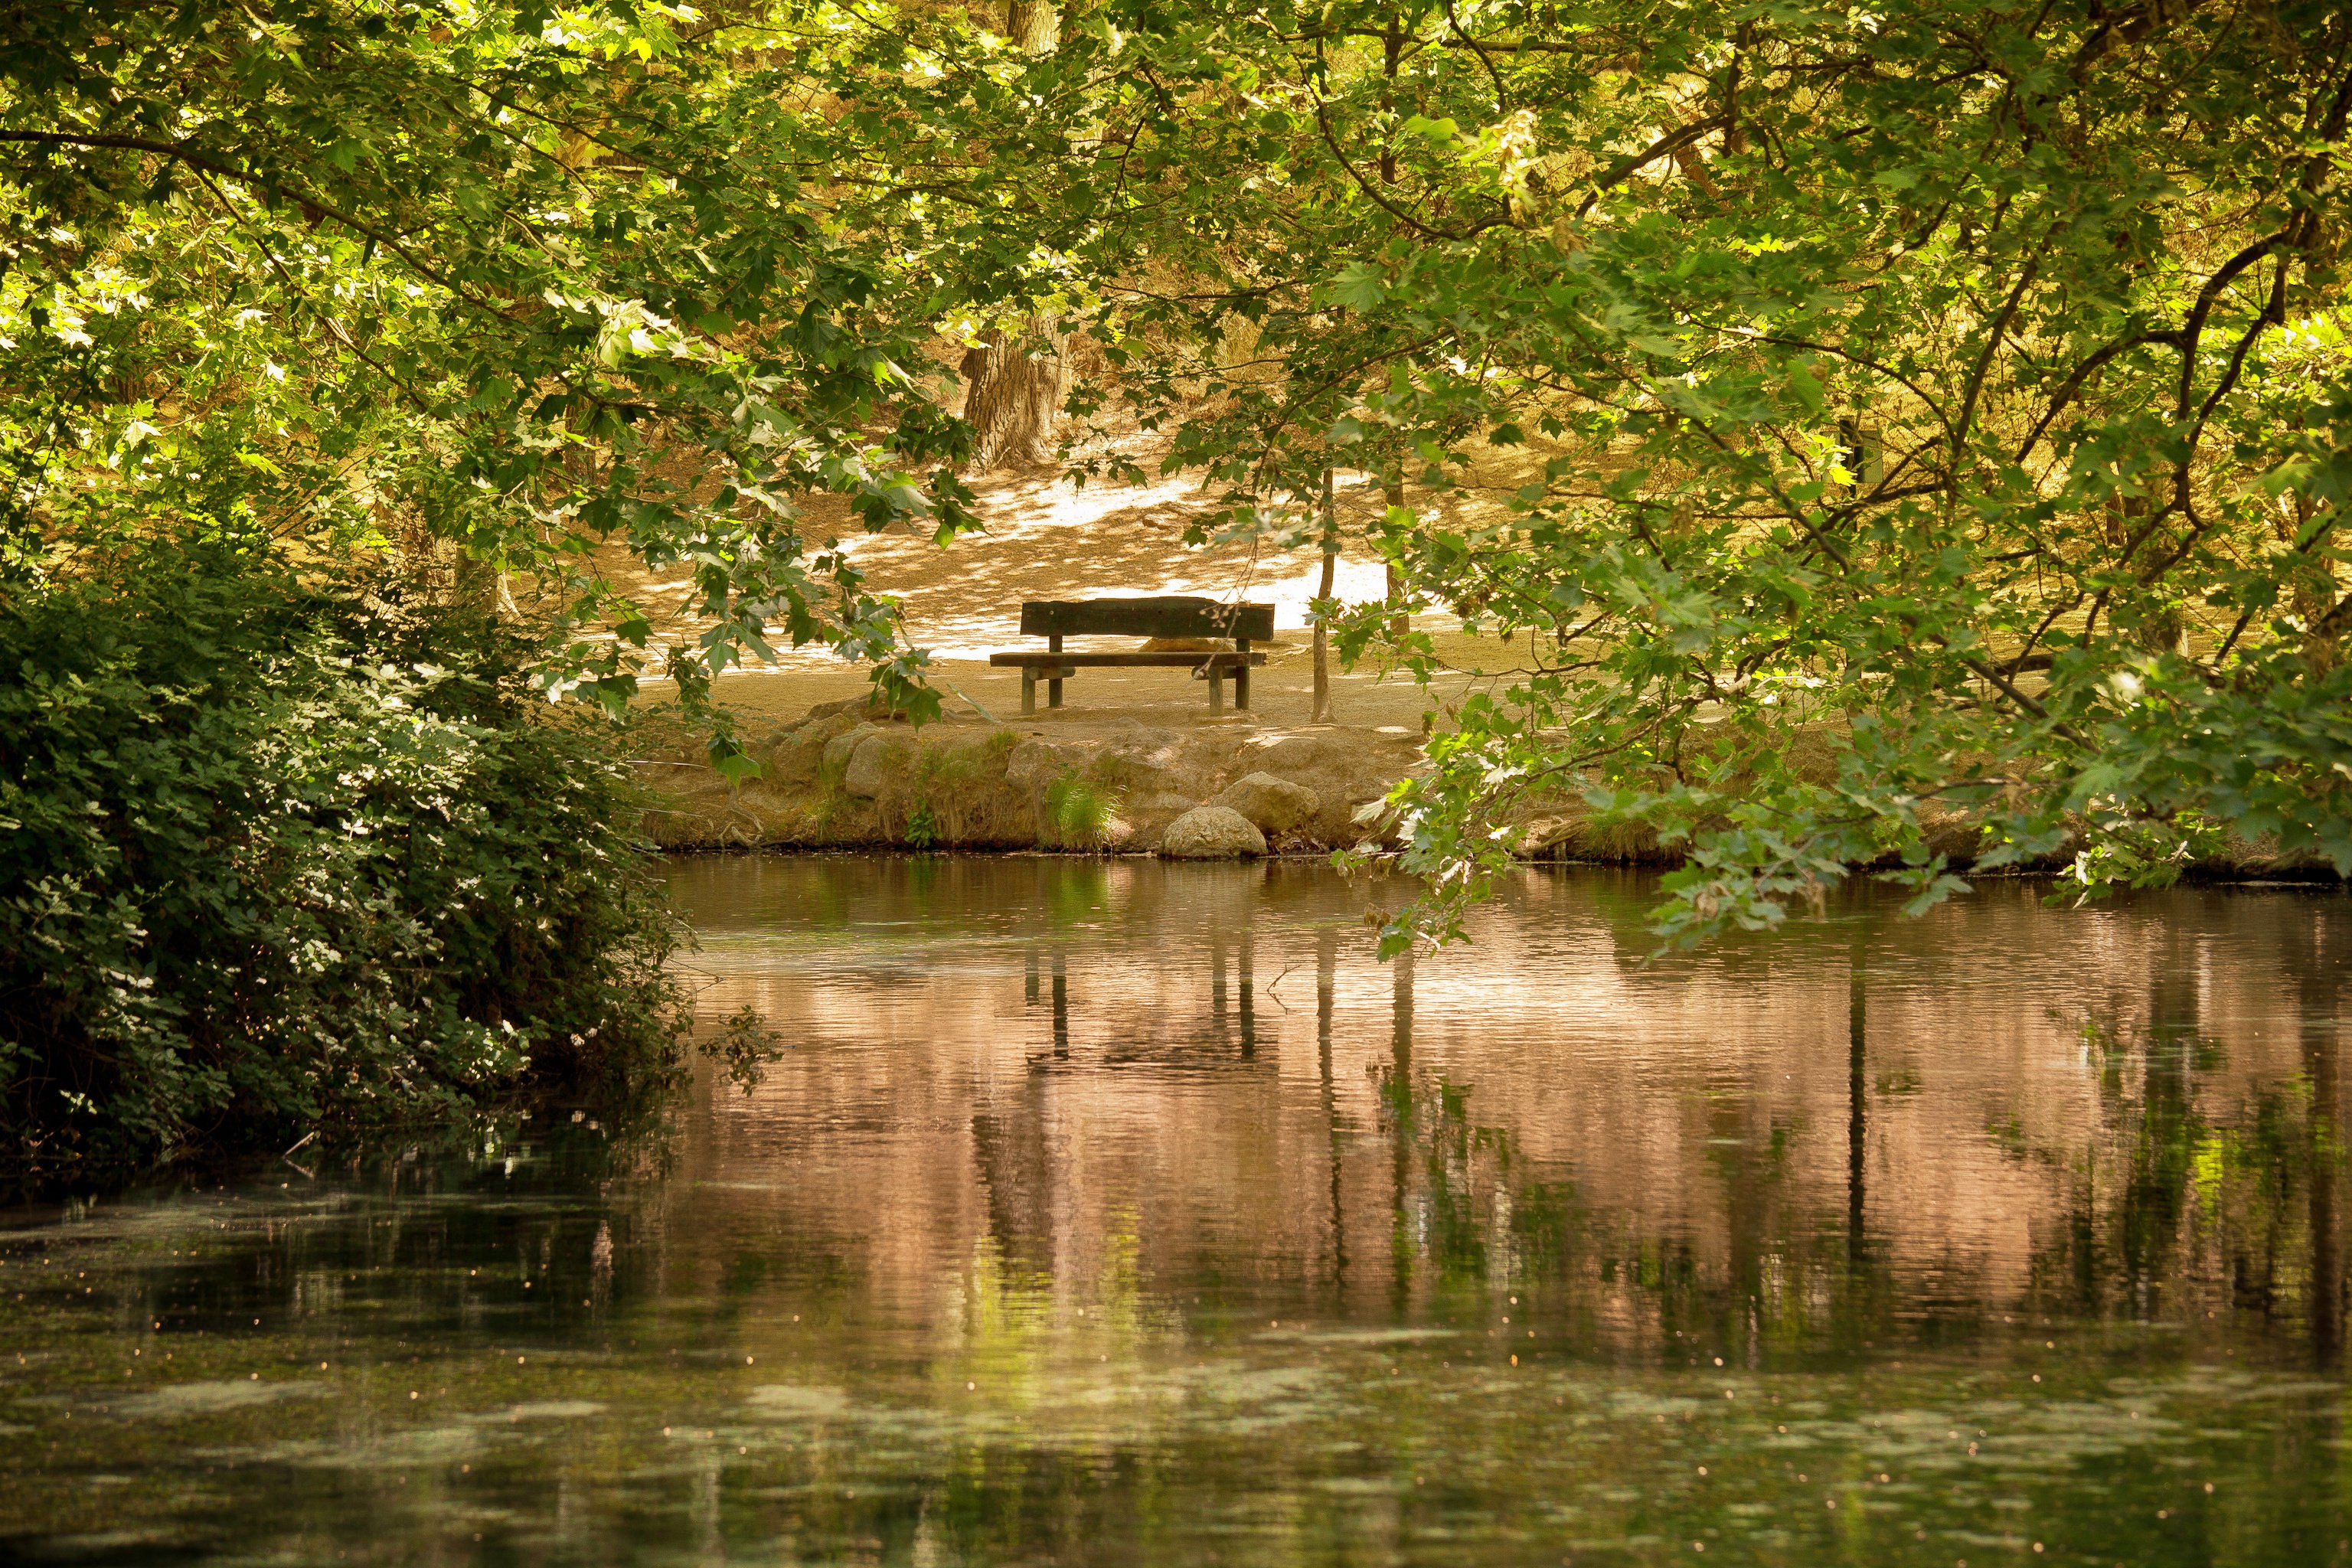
{"x": 1162, "y": 618}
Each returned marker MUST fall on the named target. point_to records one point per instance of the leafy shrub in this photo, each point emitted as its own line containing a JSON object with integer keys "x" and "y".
{"x": 279, "y": 857}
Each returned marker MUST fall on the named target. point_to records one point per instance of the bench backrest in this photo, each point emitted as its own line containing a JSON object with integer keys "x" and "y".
{"x": 1174, "y": 616}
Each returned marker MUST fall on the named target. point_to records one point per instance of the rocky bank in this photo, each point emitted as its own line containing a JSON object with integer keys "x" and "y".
{"x": 1146, "y": 780}
{"x": 1073, "y": 779}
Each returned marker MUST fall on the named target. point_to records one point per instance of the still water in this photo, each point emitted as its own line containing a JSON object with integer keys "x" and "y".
{"x": 1125, "y": 1213}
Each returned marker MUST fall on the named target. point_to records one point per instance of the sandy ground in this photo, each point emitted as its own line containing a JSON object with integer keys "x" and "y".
{"x": 1282, "y": 691}
{"x": 1045, "y": 539}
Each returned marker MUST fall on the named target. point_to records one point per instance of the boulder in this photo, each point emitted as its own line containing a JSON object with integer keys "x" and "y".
{"x": 1034, "y": 765}
{"x": 1274, "y": 804}
{"x": 882, "y": 761}
{"x": 1142, "y": 820}
{"x": 835, "y": 759}
{"x": 1345, "y": 769}
{"x": 797, "y": 756}
{"x": 1211, "y": 833}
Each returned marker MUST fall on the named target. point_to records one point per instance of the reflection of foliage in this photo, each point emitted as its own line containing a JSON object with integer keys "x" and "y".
{"x": 1081, "y": 1418}
{"x": 747, "y": 1045}
{"x": 2176, "y": 1207}
{"x": 1460, "y": 1165}
{"x": 1077, "y": 891}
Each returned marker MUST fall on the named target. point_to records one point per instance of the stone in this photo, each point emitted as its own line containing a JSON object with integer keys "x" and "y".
{"x": 1346, "y": 768}
{"x": 986, "y": 782}
{"x": 1142, "y": 820}
{"x": 1211, "y": 833}
{"x": 1165, "y": 807}
{"x": 1034, "y": 765}
{"x": 882, "y": 761}
{"x": 1274, "y": 804}
{"x": 796, "y": 757}
{"x": 834, "y": 760}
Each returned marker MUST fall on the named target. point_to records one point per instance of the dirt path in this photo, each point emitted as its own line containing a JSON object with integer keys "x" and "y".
{"x": 1045, "y": 539}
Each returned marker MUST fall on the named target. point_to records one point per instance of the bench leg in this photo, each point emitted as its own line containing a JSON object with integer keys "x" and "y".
{"x": 1053, "y": 691}
{"x": 1241, "y": 687}
{"x": 1028, "y": 689}
{"x": 1216, "y": 688}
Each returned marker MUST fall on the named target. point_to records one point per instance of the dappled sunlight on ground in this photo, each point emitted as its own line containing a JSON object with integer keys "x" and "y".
{"x": 1044, "y": 538}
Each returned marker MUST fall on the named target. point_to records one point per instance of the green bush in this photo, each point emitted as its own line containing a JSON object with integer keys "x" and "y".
{"x": 279, "y": 857}
{"x": 1078, "y": 811}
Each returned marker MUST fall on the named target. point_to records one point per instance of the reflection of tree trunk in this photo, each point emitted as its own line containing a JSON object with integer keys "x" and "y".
{"x": 1248, "y": 996}
{"x": 1012, "y": 390}
{"x": 1402, "y": 1243}
{"x": 1016, "y": 1165}
{"x": 2322, "y": 1138}
{"x": 1401, "y": 1018}
{"x": 1857, "y": 1077}
{"x": 1061, "y": 1004}
{"x": 1327, "y": 956}
{"x": 1217, "y": 985}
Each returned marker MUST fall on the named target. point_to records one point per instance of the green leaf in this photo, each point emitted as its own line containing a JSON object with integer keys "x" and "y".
{"x": 1359, "y": 287}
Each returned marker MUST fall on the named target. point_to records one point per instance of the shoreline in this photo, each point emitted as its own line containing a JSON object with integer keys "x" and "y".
{"x": 1118, "y": 781}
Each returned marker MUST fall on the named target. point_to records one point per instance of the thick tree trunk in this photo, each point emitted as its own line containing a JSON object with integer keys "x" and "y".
{"x": 1011, "y": 394}
{"x": 1034, "y": 25}
{"x": 1012, "y": 384}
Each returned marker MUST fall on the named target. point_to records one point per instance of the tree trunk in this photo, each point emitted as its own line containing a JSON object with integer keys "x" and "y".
{"x": 1321, "y": 711}
{"x": 1034, "y": 25}
{"x": 1399, "y": 623}
{"x": 1011, "y": 395}
{"x": 1392, "y": 491}
{"x": 1012, "y": 384}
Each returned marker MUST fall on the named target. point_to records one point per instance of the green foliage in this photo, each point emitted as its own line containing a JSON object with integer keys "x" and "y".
{"x": 1077, "y": 811}
{"x": 550, "y": 287}
{"x": 922, "y": 826}
{"x": 279, "y": 857}
{"x": 1900, "y": 440}
{"x": 1887, "y": 434}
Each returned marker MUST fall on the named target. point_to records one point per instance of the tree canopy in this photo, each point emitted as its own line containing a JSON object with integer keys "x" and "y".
{"x": 1896, "y": 437}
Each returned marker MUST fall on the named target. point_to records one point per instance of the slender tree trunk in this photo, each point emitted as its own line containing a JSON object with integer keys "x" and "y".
{"x": 1322, "y": 707}
{"x": 1399, "y": 623}
{"x": 1392, "y": 491}
{"x": 1392, "y": 56}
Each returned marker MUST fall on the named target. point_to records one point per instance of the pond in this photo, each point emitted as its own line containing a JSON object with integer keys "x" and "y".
{"x": 1121, "y": 1212}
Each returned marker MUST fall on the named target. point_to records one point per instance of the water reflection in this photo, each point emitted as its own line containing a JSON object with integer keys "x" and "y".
{"x": 2010, "y": 1111}
{"x": 1123, "y": 1211}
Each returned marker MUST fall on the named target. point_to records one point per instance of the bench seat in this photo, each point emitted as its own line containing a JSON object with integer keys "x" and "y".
{"x": 1055, "y": 667}
{"x": 1131, "y": 659}
{"x": 1166, "y": 616}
